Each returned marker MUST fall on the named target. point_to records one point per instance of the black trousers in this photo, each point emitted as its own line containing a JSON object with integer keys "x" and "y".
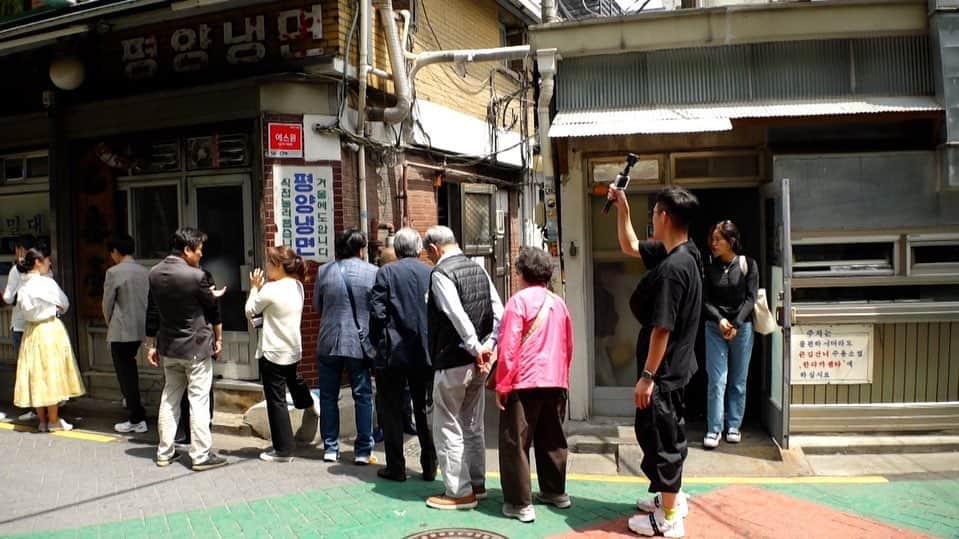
{"x": 661, "y": 433}
{"x": 390, "y": 385}
{"x": 533, "y": 416}
{"x": 125, "y": 364}
{"x": 276, "y": 380}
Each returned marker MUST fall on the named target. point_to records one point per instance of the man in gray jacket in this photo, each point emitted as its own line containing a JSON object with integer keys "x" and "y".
{"x": 177, "y": 319}
{"x": 341, "y": 287}
{"x": 125, "y": 293}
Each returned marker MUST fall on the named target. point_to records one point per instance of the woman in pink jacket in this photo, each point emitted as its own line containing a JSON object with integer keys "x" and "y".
{"x": 532, "y": 378}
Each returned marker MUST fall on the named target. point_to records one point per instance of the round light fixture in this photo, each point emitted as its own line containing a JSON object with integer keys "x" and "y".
{"x": 67, "y": 72}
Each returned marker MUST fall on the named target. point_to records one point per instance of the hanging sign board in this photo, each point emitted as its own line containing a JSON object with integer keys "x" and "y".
{"x": 286, "y": 140}
{"x": 303, "y": 210}
{"x": 840, "y": 354}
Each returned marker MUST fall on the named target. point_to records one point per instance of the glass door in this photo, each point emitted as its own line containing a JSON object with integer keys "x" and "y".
{"x": 221, "y": 207}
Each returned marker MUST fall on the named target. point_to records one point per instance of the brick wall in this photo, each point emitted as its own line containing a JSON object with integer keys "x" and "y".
{"x": 453, "y": 24}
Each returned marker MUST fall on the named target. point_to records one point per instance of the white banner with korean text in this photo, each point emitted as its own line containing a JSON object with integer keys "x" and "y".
{"x": 839, "y": 354}
{"x": 303, "y": 210}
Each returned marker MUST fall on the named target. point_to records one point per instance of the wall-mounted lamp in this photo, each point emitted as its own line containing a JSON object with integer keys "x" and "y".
{"x": 67, "y": 72}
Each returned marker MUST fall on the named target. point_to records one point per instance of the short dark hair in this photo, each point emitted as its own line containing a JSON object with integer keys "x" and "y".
{"x": 349, "y": 243}
{"x": 681, "y": 205}
{"x": 534, "y": 265}
{"x": 123, "y": 243}
{"x": 730, "y": 232}
{"x": 25, "y": 241}
{"x": 186, "y": 237}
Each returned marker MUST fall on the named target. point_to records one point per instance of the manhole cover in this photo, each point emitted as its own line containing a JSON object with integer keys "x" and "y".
{"x": 456, "y": 533}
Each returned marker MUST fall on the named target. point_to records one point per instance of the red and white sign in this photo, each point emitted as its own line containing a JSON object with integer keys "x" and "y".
{"x": 286, "y": 140}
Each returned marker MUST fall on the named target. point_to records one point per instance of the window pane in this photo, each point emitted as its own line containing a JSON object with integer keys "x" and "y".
{"x": 615, "y": 326}
{"x": 13, "y": 169}
{"x": 156, "y": 217}
{"x": 221, "y": 218}
{"x": 38, "y": 167}
{"x": 838, "y": 258}
{"x": 476, "y": 220}
{"x": 936, "y": 254}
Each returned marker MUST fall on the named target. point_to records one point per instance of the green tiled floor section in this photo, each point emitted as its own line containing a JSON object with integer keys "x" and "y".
{"x": 371, "y": 510}
{"x": 395, "y": 510}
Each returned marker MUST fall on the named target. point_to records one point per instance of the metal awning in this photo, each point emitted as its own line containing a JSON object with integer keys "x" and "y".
{"x": 709, "y": 118}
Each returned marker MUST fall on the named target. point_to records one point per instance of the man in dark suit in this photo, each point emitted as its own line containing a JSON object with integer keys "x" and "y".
{"x": 399, "y": 328}
{"x": 179, "y": 335}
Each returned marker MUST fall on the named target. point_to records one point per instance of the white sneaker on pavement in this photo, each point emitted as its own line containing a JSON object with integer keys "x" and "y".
{"x": 61, "y": 424}
{"x": 651, "y": 504}
{"x": 733, "y": 436}
{"x": 711, "y": 441}
{"x": 330, "y": 456}
{"x": 127, "y": 427}
{"x": 3, "y": 415}
{"x": 27, "y": 416}
{"x": 523, "y": 513}
{"x": 655, "y": 523}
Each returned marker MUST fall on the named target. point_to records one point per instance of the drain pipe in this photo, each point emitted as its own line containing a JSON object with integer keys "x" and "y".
{"x": 549, "y": 12}
{"x": 469, "y": 55}
{"x": 546, "y": 60}
{"x": 365, "y": 19}
{"x": 401, "y": 84}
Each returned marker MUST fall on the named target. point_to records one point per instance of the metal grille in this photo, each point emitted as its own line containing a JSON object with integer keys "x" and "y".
{"x": 477, "y": 221}
{"x": 885, "y": 66}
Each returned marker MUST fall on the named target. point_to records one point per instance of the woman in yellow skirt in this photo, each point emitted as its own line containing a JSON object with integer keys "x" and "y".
{"x": 47, "y": 372}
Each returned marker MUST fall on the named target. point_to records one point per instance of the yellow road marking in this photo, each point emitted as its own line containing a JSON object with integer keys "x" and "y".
{"x": 805, "y": 480}
{"x": 88, "y": 436}
{"x": 75, "y": 434}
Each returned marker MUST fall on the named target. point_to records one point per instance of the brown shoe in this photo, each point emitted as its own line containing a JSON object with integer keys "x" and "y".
{"x": 479, "y": 491}
{"x": 448, "y": 503}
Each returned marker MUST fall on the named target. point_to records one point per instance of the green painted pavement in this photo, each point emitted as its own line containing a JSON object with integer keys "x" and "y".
{"x": 387, "y": 509}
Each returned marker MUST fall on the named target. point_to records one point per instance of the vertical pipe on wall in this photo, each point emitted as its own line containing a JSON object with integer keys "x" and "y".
{"x": 362, "y": 72}
{"x": 546, "y": 60}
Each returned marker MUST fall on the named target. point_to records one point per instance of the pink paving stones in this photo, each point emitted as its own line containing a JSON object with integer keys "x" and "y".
{"x": 745, "y": 511}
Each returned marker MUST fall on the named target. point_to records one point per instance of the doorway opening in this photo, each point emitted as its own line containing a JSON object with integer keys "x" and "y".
{"x": 742, "y": 207}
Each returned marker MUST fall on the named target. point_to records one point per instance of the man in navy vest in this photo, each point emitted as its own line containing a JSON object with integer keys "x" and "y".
{"x": 463, "y": 313}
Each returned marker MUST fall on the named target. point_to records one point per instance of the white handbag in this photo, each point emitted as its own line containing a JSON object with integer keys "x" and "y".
{"x": 764, "y": 322}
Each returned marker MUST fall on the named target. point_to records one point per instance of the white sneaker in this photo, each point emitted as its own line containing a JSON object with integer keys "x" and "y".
{"x": 127, "y": 427}
{"x": 363, "y": 460}
{"x": 733, "y": 436}
{"x": 60, "y": 425}
{"x": 3, "y": 415}
{"x": 711, "y": 441}
{"x": 654, "y": 503}
{"x": 28, "y": 416}
{"x": 523, "y": 513}
{"x": 331, "y": 456}
{"x": 271, "y": 456}
{"x": 655, "y": 523}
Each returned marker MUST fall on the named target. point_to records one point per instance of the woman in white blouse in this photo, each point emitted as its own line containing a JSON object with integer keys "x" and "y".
{"x": 280, "y": 304}
{"x": 47, "y": 372}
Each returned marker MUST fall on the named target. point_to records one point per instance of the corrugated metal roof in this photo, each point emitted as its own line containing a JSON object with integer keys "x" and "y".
{"x": 701, "y": 119}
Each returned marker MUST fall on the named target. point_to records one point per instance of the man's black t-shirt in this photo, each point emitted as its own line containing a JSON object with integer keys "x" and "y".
{"x": 670, "y": 296}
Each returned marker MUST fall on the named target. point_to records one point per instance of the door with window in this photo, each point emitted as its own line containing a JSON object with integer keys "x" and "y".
{"x": 221, "y": 207}
{"x": 776, "y": 383}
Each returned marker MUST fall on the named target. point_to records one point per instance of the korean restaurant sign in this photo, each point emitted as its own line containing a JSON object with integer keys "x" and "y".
{"x": 285, "y": 140}
{"x": 249, "y": 40}
{"x": 840, "y": 354}
{"x": 303, "y": 210}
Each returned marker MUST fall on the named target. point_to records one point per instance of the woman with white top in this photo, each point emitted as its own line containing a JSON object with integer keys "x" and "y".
{"x": 47, "y": 372}
{"x": 280, "y": 303}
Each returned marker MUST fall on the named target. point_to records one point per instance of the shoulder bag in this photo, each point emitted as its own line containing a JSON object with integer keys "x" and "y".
{"x": 764, "y": 322}
{"x": 537, "y": 322}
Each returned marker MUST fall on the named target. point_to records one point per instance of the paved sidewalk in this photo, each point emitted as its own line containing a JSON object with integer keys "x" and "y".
{"x": 74, "y": 485}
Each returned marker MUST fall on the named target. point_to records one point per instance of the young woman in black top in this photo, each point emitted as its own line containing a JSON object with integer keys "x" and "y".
{"x": 729, "y": 292}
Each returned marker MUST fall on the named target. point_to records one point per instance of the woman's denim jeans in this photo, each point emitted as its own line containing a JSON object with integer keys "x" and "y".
{"x": 330, "y": 368}
{"x": 727, "y": 364}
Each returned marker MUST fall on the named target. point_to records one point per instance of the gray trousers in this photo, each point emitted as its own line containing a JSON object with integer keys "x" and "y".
{"x": 195, "y": 377}
{"x": 458, "y": 406}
